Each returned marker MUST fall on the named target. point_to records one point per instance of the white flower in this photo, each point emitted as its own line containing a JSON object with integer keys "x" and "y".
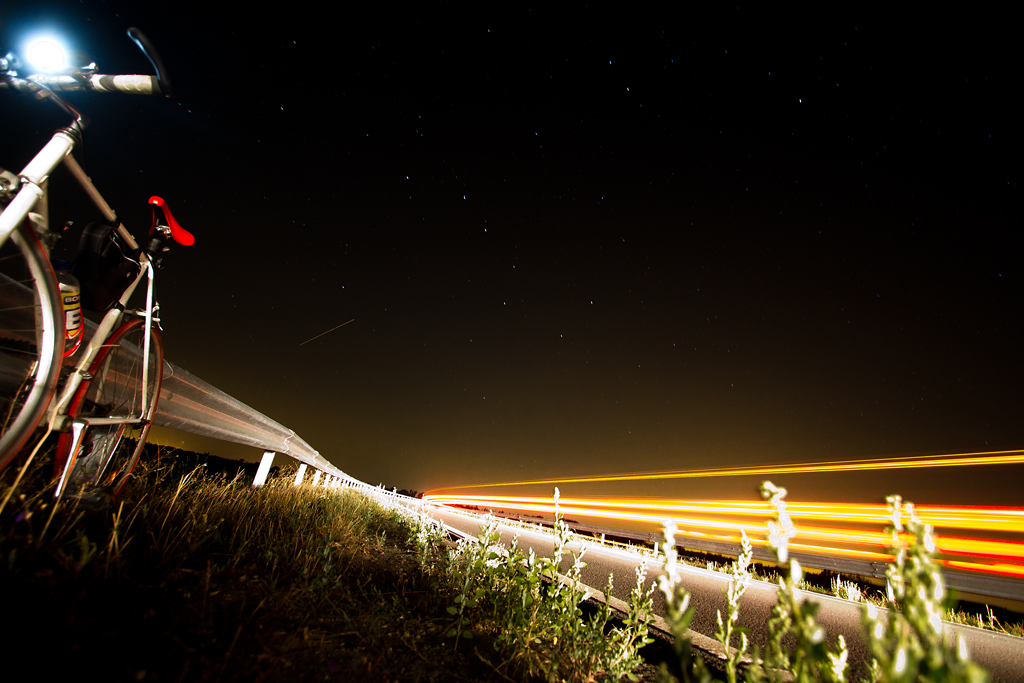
{"x": 779, "y": 537}
{"x": 929, "y": 540}
{"x": 779, "y": 533}
{"x": 901, "y": 660}
{"x": 839, "y": 661}
{"x": 670, "y": 532}
{"x": 895, "y": 514}
{"x": 962, "y": 647}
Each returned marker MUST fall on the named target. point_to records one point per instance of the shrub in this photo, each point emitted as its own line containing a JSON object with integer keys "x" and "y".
{"x": 906, "y": 646}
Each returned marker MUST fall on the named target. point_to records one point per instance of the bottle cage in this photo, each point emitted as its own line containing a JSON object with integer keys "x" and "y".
{"x": 180, "y": 234}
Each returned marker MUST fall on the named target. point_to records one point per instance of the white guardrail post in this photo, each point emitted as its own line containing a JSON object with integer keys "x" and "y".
{"x": 264, "y": 470}
{"x": 316, "y": 477}
{"x": 300, "y": 474}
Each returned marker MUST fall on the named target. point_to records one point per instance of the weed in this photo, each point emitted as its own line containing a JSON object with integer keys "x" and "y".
{"x": 727, "y": 627}
{"x": 848, "y": 590}
{"x": 687, "y": 666}
{"x": 810, "y": 658}
{"x": 532, "y": 612}
{"x": 908, "y": 645}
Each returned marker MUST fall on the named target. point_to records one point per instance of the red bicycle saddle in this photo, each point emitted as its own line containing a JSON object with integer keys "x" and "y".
{"x": 180, "y": 234}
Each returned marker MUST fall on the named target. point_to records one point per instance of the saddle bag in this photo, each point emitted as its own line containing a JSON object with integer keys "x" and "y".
{"x": 102, "y": 268}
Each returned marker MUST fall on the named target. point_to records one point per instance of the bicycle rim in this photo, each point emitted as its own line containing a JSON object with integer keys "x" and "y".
{"x": 30, "y": 348}
{"x": 108, "y": 453}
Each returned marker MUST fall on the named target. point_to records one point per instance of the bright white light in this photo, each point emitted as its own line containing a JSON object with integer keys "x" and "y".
{"x": 47, "y": 54}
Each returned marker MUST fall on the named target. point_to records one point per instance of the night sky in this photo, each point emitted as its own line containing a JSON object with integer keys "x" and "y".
{"x": 579, "y": 241}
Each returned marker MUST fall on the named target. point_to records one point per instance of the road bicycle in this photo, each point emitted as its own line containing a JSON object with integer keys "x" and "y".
{"x": 101, "y": 402}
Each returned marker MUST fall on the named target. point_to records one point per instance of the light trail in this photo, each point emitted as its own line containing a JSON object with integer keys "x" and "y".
{"x": 949, "y": 517}
{"x": 908, "y": 462}
{"x": 852, "y": 530}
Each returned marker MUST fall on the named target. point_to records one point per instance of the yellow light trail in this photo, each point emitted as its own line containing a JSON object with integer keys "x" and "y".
{"x": 845, "y": 535}
{"x": 908, "y": 462}
{"x": 949, "y": 517}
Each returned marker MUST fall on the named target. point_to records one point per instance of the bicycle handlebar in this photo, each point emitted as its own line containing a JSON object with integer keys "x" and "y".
{"x": 131, "y": 84}
{"x": 85, "y": 80}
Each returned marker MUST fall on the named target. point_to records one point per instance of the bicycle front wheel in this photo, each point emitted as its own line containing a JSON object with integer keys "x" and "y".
{"x": 121, "y": 387}
{"x": 31, "y": 338}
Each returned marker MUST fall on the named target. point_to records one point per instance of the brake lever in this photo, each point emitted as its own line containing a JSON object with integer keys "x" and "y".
{"x": 154, "y": 58}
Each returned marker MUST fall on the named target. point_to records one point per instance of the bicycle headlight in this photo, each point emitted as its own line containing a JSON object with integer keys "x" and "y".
{"x": 47, "y": 55}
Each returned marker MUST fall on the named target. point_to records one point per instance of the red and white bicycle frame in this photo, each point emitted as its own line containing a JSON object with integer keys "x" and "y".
{"x": 32, "y": 195}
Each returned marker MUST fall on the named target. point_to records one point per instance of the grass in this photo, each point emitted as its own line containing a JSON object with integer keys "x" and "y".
{"x": 193, "y": 575}
{"x": 197, "y": 577}
{"x": 535, "y": 617}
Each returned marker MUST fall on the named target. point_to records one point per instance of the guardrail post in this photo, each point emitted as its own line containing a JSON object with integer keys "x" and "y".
{"x": 300, "y": 474}
{"x": 316, "y": 477}
{"x": 264, "y": 470}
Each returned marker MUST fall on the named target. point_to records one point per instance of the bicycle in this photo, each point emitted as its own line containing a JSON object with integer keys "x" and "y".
{"x": 106, "y": 402}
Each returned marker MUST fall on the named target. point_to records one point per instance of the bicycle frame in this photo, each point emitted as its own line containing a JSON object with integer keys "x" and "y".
{"x": 33, "y": 194}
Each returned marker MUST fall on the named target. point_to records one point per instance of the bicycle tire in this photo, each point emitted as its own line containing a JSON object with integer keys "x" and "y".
{"x": 31, "y": 348}
{"x": 108, "y": 453}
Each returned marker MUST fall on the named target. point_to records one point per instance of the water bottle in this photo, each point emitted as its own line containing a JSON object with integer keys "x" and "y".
{"x": 71, "y": 296}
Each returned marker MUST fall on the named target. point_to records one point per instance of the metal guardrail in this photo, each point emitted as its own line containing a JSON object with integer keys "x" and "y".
{"x": 192, "y": 405}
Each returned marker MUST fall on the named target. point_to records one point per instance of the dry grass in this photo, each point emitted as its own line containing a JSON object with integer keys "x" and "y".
{"x": 196, "y": 577}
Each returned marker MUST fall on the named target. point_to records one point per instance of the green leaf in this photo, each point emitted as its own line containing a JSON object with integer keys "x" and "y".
{"x": 452, "y": 610}
{"x": 467, "y": 634}
{"x": 451, "y": 632}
